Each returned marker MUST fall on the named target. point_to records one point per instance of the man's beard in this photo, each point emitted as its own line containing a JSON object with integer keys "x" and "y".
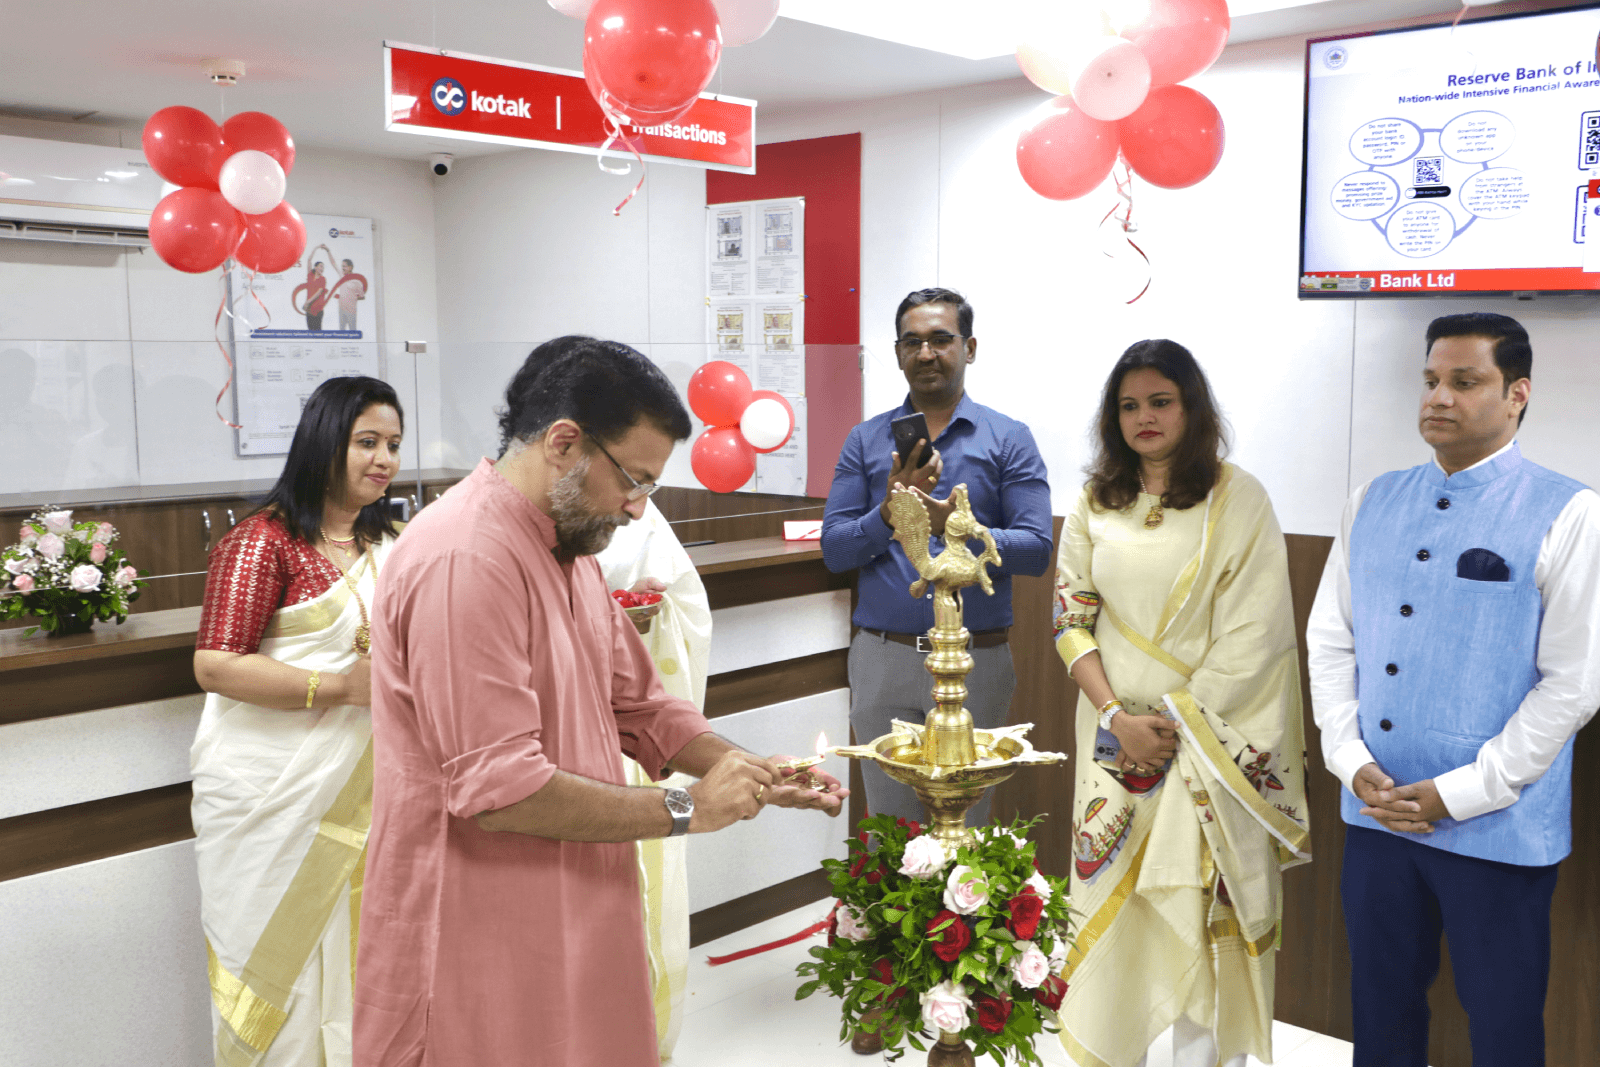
{"x": 579, "y": 531}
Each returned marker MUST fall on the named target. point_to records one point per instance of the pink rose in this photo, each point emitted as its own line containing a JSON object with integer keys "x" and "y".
{"x": 1040, "y": 886}
{"x": 945, "y": 1007}
{"x": 28, "y": 534}
{"x": 124, "y": 578}
{"x": 57, "y": 522}
{"x": 1029, "y": 966}
{"x": 924, "y": 858}
{"x": 966, "y": 890}
{"x": 23, "y": 583}
{"x": 104, "y": 533}
{"x": 85, "y": 578}
{"x": 97, "y": 552}
{"x": 852, "y": 924}
{"x": 51, "y": 546}
{"x": 1058, "y": 954}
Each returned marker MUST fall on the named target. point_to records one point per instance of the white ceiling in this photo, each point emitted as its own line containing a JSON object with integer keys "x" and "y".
{"x": 317, "y": 64}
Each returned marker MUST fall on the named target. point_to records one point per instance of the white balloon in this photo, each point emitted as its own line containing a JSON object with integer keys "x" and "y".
{"x": 1111, "y": 79}
{"x": 766, "y": 424}
{"x": 577, "y": 9}
{"x": 742, "y": 21}
{"x": 251, "y": 181}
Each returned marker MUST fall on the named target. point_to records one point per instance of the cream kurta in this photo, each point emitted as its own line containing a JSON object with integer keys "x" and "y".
{"x": 496, "y": 663}
{"x": 1176, "y": 874}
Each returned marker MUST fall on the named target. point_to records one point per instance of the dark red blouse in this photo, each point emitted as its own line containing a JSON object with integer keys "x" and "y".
{"x": 255, "y": 570}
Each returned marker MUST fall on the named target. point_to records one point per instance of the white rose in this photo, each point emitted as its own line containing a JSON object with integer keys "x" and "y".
{"x": 51, "y": 546}
{"x": 85, "y": 578}
{"x": 966, "y": 890}
{"x": 924, "y": 857}
{"x": 945, "y": 1007}
{"x": 57, "y": 522}
{"x": 25, "y": 565}
{"x": 1029, "y": 966}
{"x": 852, "y": 924}
{"x": 1040, "y": 886}
{"x": 1058, "y": 954}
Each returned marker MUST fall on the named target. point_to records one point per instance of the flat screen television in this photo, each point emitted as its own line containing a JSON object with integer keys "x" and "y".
{"x": 1442, "y": 160}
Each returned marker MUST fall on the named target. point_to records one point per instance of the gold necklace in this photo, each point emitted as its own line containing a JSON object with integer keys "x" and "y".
{"x": 1156, "y": 514}
{"x": 363, "y": 639}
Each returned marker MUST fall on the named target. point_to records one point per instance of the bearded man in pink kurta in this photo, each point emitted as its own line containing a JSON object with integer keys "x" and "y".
{"x": 500, "y": 923}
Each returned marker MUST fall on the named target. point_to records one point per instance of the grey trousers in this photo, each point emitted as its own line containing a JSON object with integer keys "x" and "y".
{"x": 888, "y": 681}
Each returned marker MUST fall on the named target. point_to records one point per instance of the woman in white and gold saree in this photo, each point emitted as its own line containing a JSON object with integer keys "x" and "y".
{"x": 1172, "y": 613}
{"x": 282, "y": 761}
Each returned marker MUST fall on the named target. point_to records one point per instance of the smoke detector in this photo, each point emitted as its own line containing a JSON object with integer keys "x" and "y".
{"x": 223, "y": 71}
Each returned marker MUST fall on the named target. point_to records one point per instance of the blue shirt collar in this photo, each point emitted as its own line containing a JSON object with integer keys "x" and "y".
{"x": 966, "y": 409}
{"x": 1483, "y": 472}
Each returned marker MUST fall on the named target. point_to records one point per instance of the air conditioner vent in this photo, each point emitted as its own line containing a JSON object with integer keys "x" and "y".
{"x": 65, "y": 233}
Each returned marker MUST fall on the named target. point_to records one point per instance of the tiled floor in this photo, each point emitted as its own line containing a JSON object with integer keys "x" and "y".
{"x": 743, "y": 1014}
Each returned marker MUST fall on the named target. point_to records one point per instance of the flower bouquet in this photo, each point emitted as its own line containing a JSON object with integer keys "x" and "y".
{"x": 66, "y": 575}
{"x": 923, "y": 942}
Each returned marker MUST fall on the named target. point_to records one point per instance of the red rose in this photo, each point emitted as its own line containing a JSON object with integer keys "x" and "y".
{"x": 1026, "y": 907}
{"x": 875, "y": 876}
{"x": 1050, "y": 992}
{"x": 949, "y": 943}
{"x": 992, "y": 1012}
{"x": 883, "y": 971}
{"x": 858, "y": 865}
{"x": 910, "y": 826}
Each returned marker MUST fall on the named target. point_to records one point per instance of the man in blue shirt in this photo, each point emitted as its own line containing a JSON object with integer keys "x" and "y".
{"x": 1005, "y": 477}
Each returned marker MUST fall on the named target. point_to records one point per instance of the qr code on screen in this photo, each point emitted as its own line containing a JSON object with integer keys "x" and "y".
{"x": 1589, "y": 140}
{"x": 1428, "y": 170}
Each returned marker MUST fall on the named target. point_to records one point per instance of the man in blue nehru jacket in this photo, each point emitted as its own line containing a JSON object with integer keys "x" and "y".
{"x": 1005, "y": 477}
{"x": 1454, "y": 654}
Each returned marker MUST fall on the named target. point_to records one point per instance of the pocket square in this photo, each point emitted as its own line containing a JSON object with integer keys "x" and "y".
{"x": 1481, "y": 565}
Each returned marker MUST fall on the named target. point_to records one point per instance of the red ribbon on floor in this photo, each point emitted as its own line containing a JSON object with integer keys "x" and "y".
{"x": 810, "y": 931}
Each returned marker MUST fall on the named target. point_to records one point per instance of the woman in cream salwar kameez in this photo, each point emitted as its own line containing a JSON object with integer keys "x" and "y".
{"x": 1173, "y": 615}
{"x": 282, "y": 761}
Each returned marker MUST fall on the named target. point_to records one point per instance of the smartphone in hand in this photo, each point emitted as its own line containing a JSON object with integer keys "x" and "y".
{"x": 908, "y": 430}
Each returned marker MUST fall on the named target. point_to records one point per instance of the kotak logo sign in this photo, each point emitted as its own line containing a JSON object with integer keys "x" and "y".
{"x": 499, "y": 105}
{"x": 449, "y": 97}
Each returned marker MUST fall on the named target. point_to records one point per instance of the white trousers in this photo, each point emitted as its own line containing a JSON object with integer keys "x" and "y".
{"x": 1192, "y": 1046}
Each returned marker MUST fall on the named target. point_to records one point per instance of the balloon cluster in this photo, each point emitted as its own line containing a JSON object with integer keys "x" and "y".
{"x": 230, "y": 201}
{"x": 1117, "y": 90}
{"x": 740, "y": 421}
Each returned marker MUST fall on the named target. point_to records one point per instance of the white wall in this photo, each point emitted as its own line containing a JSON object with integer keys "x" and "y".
{"x": 126, "y": 373}
{"x": 1321, "y": 395}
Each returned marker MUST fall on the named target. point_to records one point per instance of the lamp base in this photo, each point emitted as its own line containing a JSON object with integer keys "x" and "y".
{"x": 951, "y": 1051}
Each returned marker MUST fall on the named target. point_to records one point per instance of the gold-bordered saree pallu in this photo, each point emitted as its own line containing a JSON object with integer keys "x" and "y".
{"x": 1177, "y": 874}
{"x": 282, "y": 806}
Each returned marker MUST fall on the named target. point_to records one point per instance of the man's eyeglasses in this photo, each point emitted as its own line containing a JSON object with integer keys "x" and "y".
{"x": 941, "y": 343}
{"x": 640, "y": 489}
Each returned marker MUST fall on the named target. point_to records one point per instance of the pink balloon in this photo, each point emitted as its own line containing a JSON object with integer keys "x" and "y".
{"x": 744, "y": 21}
{"x": 768, "y": 422}
{"x": 647, "y": 60}
{"x": 259, "y": 131}
{"x": 719, "y": 392}
{"x": 722, "y": 459}
{"x": 184, "y": 146}
{"x": 272, "y": 242}
{"x": 1066, "y": 154}
{"x": 194, "y": 230}
{"x": 1180, "y": 38}
{"x": 1112, "y": 80}
{"x": 1175, "y": 139}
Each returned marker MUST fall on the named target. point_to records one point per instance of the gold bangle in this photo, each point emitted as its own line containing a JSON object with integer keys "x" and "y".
{"x": 311, "y": 686}
{"x": 1112, "y": 703}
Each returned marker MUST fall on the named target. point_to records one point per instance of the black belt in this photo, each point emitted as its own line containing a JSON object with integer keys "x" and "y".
{"x": 979, "y": 638}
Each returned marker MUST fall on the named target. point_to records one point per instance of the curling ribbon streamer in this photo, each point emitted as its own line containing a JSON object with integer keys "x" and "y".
{"x": 613, "y": 128}
{"x": 1125, "y": 193}
{"x": 224, "y": 309}
{"x": 810, "y": 931}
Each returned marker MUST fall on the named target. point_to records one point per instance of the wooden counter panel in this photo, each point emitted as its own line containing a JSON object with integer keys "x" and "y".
{"x": 774, "y": 581}
{"x": 62, "y": 837}
{"x": 772, "y": 683}
{"x": 68, "y": 688}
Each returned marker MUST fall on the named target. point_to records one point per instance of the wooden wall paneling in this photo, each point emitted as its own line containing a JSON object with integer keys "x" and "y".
{"x": 741, "y": 912}
{"x": 772, "y": 683}
{"x": 701, "y": 515}
{"x": 61, "y": 837}
{"x": 68, "y": 688}
{"x": 731, "y": 589}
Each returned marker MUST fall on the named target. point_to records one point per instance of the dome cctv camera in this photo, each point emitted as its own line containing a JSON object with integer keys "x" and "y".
{"x": 440, "y": 163}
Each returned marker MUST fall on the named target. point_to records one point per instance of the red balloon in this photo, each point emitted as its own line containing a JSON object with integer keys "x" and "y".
{"x": 722, "y": 459}
{"x": 1180, "y": 38}
{"x": 1175, "y": 138}
{"x": 272, "y": 241}
{"x": 194, "y": 230}
{"x": 262, "y": 132}
{"x": 647, "y": 60}
{"x": 184, "y": 146}
{"x": 1066, "y": 154}
{"x": 719, "y": 392}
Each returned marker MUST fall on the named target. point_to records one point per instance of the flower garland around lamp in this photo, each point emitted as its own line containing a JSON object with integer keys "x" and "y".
{"x": 66, "y": 575}
{"x": 925, "y": 942}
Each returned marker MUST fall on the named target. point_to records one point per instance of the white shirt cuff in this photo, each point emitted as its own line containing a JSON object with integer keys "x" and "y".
{"x": 1347, "y": 759}
{"x": 1463, "y": 793}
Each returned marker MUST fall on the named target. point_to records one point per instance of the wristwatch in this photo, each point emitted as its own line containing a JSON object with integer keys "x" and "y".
{"x": 680, "y": 805}
{"x": 1109, "y": 712}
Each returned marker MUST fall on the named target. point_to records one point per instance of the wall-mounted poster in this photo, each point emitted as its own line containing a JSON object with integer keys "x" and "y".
{"x": 316, "y": 320}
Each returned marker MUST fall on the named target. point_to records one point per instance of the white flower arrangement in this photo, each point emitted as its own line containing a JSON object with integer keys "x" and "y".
{"x": 66, "y": 574}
